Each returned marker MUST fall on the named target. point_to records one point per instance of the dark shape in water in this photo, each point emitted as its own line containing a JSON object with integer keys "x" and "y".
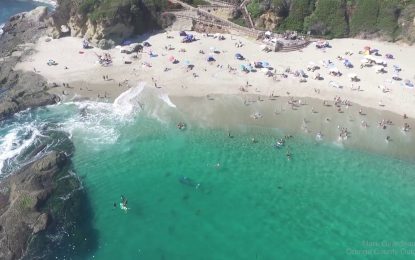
{"x": 189, "y": 182}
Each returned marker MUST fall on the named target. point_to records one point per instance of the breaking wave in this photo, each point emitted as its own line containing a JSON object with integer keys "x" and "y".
{"x": 15, "y": 141}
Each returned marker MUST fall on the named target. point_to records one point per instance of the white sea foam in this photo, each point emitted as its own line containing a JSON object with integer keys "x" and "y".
{"x": 127, "y": 103}
{"x": 52, "y": 3}
{"x": 167, "y": 100}
{"x": 99, "y": 122}
{"x": 1, "y": 28}
{"x": 12, "y": 144}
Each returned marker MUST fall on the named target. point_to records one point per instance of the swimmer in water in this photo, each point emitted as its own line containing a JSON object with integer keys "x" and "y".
{"x": 288, "y": 155}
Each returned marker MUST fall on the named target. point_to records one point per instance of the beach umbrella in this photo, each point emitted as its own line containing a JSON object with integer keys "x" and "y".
{"x": 265, "y": 64}
{"x": 171, "y": 59}
{"x": 239, "y": 56}
{"x": 210, "y": 58}
{"x": 408, "y": 83}
{"x": 366, "y": 48}
{"x": 242, "y": 67}
{"x": 186, "y": 62}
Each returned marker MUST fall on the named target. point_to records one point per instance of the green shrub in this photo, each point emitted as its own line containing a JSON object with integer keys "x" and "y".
{"x": 328, "y": 19}
{"x": 300, "y": 9}
{"x": 387, "y": 22}
{"x": 254, "y": 8}
{"x": 365, "y": 16}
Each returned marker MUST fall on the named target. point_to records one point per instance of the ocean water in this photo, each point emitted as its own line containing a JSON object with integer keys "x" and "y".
{"x": 12, "y": 7}
{"x": 200, "y": 194}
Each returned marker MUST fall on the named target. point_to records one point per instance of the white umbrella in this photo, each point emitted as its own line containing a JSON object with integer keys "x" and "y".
{"x": 364, "y": 60}
{"x": 352, "y": 75}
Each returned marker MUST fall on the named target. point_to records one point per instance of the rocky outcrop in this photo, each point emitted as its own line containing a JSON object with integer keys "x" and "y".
{"x": 268, "y": 21}
{"x": 21, "y": 198}
{"x": 43, "y": 199}
{"x": 96, "y": 21}
{"x": 21, "y": 90}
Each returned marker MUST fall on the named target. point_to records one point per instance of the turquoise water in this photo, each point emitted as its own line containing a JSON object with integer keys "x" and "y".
{"x": 256, "y": 205}
{"x": 252, "y": 202}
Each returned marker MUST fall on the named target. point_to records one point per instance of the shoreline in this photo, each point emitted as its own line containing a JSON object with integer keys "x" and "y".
{"x": 85, "y": 75}
{"x": 234, "y": 113}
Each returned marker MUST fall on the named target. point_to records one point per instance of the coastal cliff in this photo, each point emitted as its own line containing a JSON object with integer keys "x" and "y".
{"x": 390, "y": 20}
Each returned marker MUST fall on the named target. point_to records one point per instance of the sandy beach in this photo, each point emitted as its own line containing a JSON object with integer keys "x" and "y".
{"x": 80, "y": 69}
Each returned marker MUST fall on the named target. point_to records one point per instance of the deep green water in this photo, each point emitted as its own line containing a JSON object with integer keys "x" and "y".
{"x": 322, "y": 204}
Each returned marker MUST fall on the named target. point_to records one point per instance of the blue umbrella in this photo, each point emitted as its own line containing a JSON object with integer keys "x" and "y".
{"x": 265, "y": 64}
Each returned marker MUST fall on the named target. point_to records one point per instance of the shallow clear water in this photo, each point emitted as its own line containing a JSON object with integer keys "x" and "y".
{"x": 244, "y": 201}
{"x": 256, "y": 205}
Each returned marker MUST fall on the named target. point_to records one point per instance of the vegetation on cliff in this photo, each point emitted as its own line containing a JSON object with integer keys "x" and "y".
{"x": 115, "y": 19}
{"x": 390, "y": 19}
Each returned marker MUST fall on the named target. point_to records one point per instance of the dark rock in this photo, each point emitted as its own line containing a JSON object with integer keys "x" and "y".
{"x": 21, "y": 90}
{"x": 106, "y": 44}
{"x": 20, "y": 216}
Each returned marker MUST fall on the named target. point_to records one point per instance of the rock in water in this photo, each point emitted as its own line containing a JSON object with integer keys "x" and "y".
{"x": 21, "y": 197}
